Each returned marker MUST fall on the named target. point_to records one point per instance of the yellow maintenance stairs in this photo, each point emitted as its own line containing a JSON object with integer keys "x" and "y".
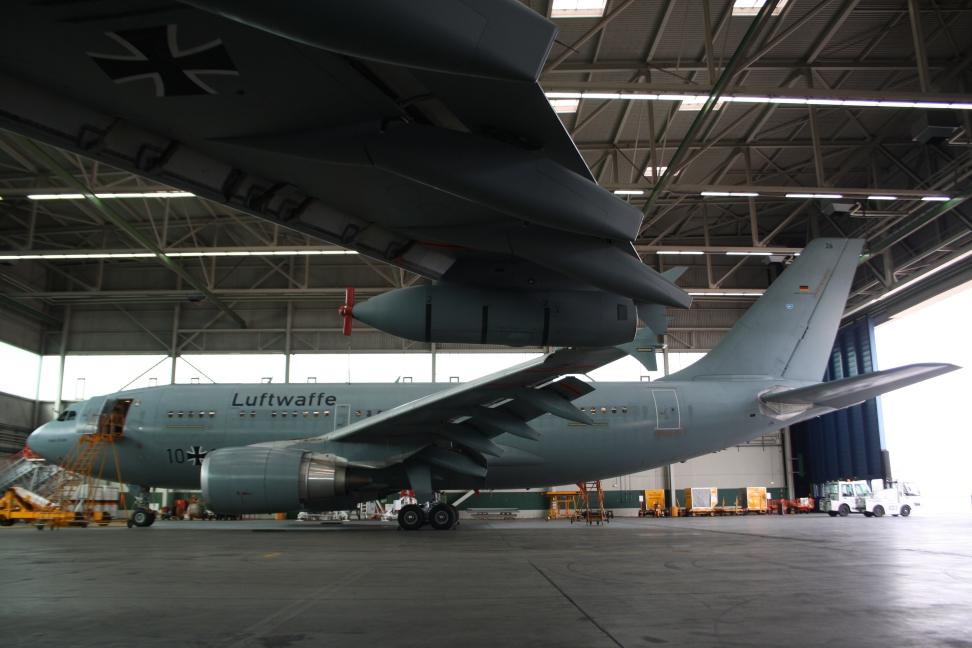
{"x": 591, "y": 509}
{"x": 69, "y": 498}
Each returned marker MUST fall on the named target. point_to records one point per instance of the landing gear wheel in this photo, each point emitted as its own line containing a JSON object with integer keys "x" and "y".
{"x": 4, "y": 521}
{"x": 455, "y": 512}
{"x": 905, "y": 511}
{"x": 143, "y": 517}
{"x": 868, "y": 514}
{"x": 443, "y": 517}
{"x": 411, "y": 517}
{"x": 843, "y": 511}
{"x": 832, "y": 513}
{"x": 878, "y": 511}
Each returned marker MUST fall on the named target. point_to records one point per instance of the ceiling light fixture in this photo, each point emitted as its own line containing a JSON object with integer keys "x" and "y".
{"x": 690, "y": 252}
{"x": 109, "y": 195}
{"x": 935, "y": 198}
{"x": 882, "y": 197}
{"x": 693, "y": 101}
{"x": 814, "y": 195}
{"x": 743, "y": 194}
{"x": 629, "y": 192}
{"x": 57, "y": 256}
{"x": 577, "y": 8}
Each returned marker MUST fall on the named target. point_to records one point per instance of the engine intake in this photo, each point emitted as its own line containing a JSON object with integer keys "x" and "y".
{"x": 264, "y": 480}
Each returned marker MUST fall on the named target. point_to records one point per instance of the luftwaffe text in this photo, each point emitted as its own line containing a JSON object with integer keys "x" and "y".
{"x": 269, "y": 399}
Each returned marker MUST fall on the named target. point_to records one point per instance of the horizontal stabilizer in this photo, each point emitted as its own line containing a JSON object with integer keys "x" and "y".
{"x": 842, "y": 393}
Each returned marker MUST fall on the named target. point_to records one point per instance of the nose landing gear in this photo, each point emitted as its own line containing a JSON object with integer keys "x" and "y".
{"x": 439, "y": 516}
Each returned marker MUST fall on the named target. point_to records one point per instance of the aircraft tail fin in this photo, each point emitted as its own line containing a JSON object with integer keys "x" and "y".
{"x": 790, "y": 330}
{"x": 842, "y": 393}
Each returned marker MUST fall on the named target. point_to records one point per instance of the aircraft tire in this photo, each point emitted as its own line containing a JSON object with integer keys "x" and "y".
{"x": 905, "y": 511}
{"x": 868, "y": 514}
{"x": 843, "y": 511}
{"x": 5, "y": 521}
{"x": 143, "y": 517}
{"x": 442, "y": 517}
{"x": 411, "y": 517}
{"x": 832, "y": 513}
{"x": 456, "y": 513}
{"x": 878, "y": 511}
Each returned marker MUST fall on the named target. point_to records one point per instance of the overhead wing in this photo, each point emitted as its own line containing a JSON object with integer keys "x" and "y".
{"x": 842, "y": 393}
{"x": 412, "y": 132}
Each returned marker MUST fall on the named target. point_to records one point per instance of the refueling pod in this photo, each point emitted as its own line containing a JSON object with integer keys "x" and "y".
{"x": 465, "y": 314}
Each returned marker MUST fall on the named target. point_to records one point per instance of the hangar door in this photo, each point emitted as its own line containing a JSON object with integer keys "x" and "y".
{"x": 848, "y": 443}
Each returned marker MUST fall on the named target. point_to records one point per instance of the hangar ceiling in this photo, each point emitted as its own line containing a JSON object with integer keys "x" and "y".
{"x": 819, "y": 103}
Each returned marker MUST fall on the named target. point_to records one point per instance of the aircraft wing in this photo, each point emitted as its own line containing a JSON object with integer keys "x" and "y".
{"x": 472, "y": 413}
{"x": 413, "y": 132}
{"x": 842, "y": 393}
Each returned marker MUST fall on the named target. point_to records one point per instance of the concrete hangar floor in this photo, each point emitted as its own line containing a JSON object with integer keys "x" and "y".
{"x": 754, "y": 581}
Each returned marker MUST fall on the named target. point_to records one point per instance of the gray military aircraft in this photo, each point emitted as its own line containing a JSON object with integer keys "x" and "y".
{"x": 412, "y": 132}
{"x": 264, "y": 448}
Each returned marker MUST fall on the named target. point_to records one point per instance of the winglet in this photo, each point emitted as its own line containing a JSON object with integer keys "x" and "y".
{"x": 642, "y": 348}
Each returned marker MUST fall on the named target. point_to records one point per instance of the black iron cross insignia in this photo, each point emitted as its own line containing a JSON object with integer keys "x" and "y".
{"x": 196, "y": 454}
{"x": 153, "y": 53}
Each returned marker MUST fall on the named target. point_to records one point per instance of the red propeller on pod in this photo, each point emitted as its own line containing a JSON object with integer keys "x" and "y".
{"x": 347, "y": 309}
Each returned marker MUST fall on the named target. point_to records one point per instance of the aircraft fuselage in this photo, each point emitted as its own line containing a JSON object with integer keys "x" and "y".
{"x": 637, "y": 426}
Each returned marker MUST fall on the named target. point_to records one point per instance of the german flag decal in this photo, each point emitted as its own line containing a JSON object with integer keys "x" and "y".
{"x": 804, "y": 288}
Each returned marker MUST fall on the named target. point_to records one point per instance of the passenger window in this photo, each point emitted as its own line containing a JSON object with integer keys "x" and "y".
{"x": 242, "y": 414}
{"x": 274, "y": 414}
{"x": 624, "y": 410}
{"x": 179, "y": 414}
{"x": 252, "y": 412}
{"x": 317, "y": 413}
{"x": 212, "y": 413}
{"x": 327, "y": 412}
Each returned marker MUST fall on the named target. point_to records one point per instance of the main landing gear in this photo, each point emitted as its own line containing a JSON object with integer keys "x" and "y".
{"x": 439, "y": 516}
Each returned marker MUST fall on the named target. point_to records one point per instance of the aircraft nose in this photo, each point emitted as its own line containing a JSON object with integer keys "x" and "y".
{"x": 48, "y": 443}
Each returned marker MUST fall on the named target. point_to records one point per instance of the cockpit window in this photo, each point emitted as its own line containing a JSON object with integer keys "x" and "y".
{"x": 67, "y": 415}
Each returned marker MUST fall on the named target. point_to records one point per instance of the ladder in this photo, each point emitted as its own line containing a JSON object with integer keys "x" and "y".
{"x": 592, "y": 511}
{"x": 82, "y": 469}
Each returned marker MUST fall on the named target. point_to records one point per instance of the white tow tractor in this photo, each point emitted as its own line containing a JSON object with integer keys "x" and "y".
{"x": 855, "y": 496}
{"x": 899, "y": 499}
{"x": 840, "y": 497}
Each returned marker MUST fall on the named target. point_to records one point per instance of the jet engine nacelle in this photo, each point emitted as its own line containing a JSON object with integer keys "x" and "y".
{"x": 464, "y": 314}
{"x": 263, "y": 480}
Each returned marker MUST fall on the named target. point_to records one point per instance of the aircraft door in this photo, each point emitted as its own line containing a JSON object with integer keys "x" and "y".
{"x": 666, "y": 409}
{"x": 342, "y": 415}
